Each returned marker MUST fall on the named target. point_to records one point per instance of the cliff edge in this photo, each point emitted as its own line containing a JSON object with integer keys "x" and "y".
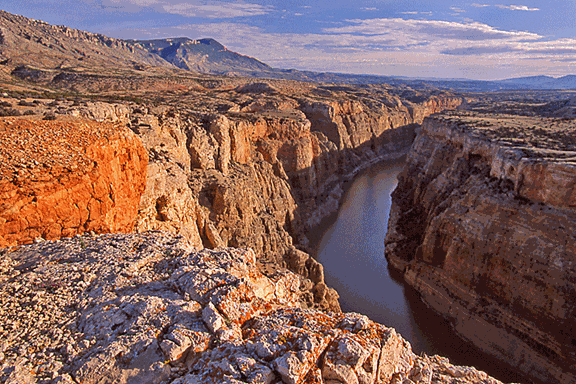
{"x": 60, "y": 178}
{"x": 150, "y": 308}
{"x": 483, "y": 224}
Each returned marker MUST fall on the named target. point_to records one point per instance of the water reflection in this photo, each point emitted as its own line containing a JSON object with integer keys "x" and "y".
{"x": 350, "y": 245}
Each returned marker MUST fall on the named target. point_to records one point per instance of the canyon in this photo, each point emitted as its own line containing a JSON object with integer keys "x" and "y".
{"x": 153, "y": 221}
{"x": 482, "y": 227}
{"x": 255, "y": 165}
{"x": 257, "y": 174}
{"x": 252, "y": 166}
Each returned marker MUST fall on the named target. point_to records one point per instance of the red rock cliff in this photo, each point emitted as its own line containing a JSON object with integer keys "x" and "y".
{"x": 60, "y": 178}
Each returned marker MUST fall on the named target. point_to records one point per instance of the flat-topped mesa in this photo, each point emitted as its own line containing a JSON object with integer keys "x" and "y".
{"x": 537, "y": 155}
{"x": 60, "y": 178}
{"x": 482, "y": 225}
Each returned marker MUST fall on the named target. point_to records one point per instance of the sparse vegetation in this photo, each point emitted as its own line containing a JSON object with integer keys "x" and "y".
{"x": 49, "y": 116}
{"x": 9, "y": 112}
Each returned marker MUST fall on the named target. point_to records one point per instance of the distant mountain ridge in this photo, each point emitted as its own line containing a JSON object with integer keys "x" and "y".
{"x": 25, "y": 41}
{"x": 27, "y": 45}
{"x": 204, "y": 56}
{"x": 544, "y": 82}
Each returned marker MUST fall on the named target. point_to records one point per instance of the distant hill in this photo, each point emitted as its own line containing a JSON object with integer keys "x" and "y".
{"x": 204, "y": 56}
{"x": 39, "y": 52}
{"x": 543, "y": 82}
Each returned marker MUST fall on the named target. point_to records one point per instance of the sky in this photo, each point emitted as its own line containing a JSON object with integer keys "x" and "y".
{"x": 484, "y": 40}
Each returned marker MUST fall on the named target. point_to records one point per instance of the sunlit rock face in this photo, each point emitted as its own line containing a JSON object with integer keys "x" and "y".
{"x": 482, "y": 225}
{"x": 61, "y": 178}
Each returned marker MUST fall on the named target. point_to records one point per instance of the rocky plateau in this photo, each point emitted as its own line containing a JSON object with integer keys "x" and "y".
{"x": 151, "y": 308}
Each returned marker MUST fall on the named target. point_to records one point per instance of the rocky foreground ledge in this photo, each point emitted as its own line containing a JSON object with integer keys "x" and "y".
{"x": 150, "y": 308}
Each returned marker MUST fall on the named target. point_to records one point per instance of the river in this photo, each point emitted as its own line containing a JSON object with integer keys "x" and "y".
{"x": 350, "y": 245}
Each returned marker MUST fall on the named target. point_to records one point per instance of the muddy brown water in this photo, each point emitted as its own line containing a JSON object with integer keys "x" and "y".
{"x": 350, "y": 245}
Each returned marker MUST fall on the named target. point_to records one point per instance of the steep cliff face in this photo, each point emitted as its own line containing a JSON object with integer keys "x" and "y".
{"x": 63, "y": 178}
{"x": 266, "y": 169}
{"x": 483, "y": 227}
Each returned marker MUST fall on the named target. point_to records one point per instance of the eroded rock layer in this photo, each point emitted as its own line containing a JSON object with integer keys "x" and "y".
{"x": 483, "y": 224}
{"x": 62, "y": 178}
{"x": 253, "y": 166}
{"x": 149, "y": 308}
{"x": 257, "y": 165}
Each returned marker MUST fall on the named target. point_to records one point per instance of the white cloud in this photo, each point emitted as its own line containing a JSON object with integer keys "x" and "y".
{"x": 429, "y": 13}
{"x": 139, "y": 3}
{"x": 216, "y": 10}
{"x": 430, "y": 29}
{"x": 198, "y": 8}
{"x": 480, "y": 5}
{"x": 517, "y": 7}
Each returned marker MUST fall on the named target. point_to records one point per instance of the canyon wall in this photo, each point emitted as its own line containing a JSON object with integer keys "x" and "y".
{"x": 483, "y": 224}
{"x": 254, "y": 166}
{"x": 266, "y": 169}
{"x": 258, "y": 165}
{"x": 63, "y": 178}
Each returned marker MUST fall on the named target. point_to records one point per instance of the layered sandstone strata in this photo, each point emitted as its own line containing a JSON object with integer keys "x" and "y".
{"x": 258, "y": 170}
{"x": 66, "y": 177}
{"x": 277, "y": 159}
{"x": 253, "y": 166}
{"x": 483, "y": 225}
{"x": 150, "y": 308}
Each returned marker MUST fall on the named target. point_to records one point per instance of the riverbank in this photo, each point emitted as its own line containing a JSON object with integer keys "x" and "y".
{"x": 349, "y": 244}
